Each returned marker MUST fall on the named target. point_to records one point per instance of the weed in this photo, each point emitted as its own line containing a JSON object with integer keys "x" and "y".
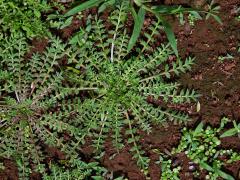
{"x": 31, "y": 91}
{"x": 201, "y": 146}
{"x": 41, "y": 100}
{"x": 122, "y": 83}
{"x": 168, "y": 172}
{"x": 221, "y": 59}
{"x": 233, "y": 131}
{"x": 145, "y": 6}
{"x": 23, "y": 16}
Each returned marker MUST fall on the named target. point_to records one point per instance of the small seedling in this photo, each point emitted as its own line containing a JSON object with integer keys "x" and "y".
{"x": 221, "y": 59}
{"x": 231, "y": 132}
{"x": 201, "y": 146}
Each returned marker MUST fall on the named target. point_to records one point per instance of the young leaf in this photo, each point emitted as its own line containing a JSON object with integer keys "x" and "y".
{"x": 217, "y": 18}
{"x": 105, "y": 5}
{"x": 97, "y": 178}
{"x": 198, "y": 129}
{"x": 195, "y": 14}
{"x": 165, "y": 9}
{"x": 230, "y": 132}
{"x": 224, "y": 175}
{"x": 237, "y": 127}
{"x": 170, "y": 35}
{"x": 86, "y": 5}
{"x": 67, "y": 22}
{"x": 119, "y": 178}
{"x": 138, "y": 23}
{"x": 206, "y": 166}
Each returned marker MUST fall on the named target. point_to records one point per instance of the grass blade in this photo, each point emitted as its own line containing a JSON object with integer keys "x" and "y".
{"x": 206, "y": 166}
{"x": 86, "y": 5}
{"x": 224, "y": 175}
{"x": 105, "y": 5}
{"x": 230, "y": 132}
{"x": 198, "y": 129}
{"x": 165, "y": 9}
{"x": 138, "y": 23}
{"x": 170, "y": 35}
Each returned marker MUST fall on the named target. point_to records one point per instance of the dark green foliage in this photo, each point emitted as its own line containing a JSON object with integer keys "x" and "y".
{"x": 24, "y": 16}
{"x": 34, "y": 88}
{"x": 123, "y": 81}
{"x": 159, "y": 11}
{"x": 233, "y": 131}
{"x": 202, "y": 147}
{"x": 40, "y": 103}
{"x": 138, "y": 23}
{"x": 81, "y": 171}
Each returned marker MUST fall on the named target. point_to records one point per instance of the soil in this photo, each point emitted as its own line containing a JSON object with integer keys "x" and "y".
{"x": 218, "y": 84}
{"x": 10, "y": 172}
{"x": 38, "y": 46}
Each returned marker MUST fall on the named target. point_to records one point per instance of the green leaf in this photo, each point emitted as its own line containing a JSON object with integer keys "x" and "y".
{"x": 195, "y": 14}
{"x": 230, "y": 132}
{"x": 138, "y": 23}
{"x": 97, "y": 178}
{"x": 198, "y": 129}
{"x": 217, "y": 18}
{"x": 223, "y": 122}
{"x": 83, "y": 6}
{"x": 237, "y": 127}
{"x": 170, "y": 35}
{"x": 67, "y": 22}
{"x": 105, "y": 5}
{"x": 165, "y": 9}
{"x": 37, "y": 13}
{"x": 130, "y": 140}
{"x": 206, "y": 166}
{"x": 119, "y": 178}
{"x": 224, "y": 175}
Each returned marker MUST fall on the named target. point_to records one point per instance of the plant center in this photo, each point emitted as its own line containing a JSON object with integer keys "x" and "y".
{"x": 119, "y": 89}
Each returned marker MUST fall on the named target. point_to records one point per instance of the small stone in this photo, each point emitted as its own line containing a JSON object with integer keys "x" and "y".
{"x": 192, "y": 168}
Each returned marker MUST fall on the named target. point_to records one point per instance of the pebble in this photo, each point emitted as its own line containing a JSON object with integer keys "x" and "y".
{"x": 192, "y": 168}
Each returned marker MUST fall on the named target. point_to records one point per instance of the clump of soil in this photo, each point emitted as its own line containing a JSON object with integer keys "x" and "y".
{"x": 10, "y": 171}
